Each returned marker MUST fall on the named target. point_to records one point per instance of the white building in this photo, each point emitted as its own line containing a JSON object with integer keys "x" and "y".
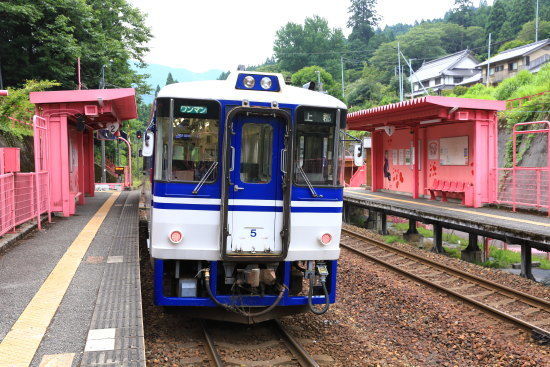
{"x": 446, "y": 73}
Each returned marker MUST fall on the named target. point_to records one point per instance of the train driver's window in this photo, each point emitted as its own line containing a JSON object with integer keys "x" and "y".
{"x": 314, "y": 154}
{"x": 187, "y": 133}
{"x": 256, "y": 151}
{"x": 195, "y": 148}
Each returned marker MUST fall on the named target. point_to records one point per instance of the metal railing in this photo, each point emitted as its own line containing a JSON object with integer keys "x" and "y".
{"x": 23, "y": 197}
{"x": 524, "y": 187}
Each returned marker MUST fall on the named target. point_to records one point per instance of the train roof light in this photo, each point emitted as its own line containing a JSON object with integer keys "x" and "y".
{"x": 258, "y": 82}
{"x": 249, "y": 81}
{"x": 266, "y": 82}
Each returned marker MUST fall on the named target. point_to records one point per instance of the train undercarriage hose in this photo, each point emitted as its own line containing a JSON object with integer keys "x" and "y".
{"x": 310, "y": 297}
{"x": 237, "y": 309}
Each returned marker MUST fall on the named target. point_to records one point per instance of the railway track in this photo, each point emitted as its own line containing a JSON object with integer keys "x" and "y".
{"x": 297, "y": 354}
{"x": 527, "y": 311}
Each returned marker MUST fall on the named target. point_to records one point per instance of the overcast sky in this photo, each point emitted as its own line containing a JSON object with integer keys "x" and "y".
{"x": 220, "y": 34}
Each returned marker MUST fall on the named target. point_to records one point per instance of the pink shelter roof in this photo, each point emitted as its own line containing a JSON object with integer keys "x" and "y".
{"x": 123, "y": 100}
{"x": 418, "y": 108}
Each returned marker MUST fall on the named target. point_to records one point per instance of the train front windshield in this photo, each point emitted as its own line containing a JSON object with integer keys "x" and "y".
{"x": 317, "y": 148}
{"x": 187, "y": 140}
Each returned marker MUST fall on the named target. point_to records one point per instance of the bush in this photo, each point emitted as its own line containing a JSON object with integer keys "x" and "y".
{"x": 18, "y": 106}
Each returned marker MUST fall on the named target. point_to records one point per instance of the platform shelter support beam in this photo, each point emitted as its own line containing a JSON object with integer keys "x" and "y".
{"x": 412, "y": 227}
{"x": 438, "y": 238}
{"x": 63, "y": 153}
{"x": 526, "y": 267}
{"x": 382, "y": 223}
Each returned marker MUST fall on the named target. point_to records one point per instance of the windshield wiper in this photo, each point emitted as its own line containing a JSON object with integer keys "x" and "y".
{"x": 311, "y": 189}
{"x": 205, "y": 177}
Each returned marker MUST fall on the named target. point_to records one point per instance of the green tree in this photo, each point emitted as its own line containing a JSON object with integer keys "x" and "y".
{"x": 170, "y": 79}
{"x": 309, "y": 74}
{"x": 157, "y": 90}
{"x": 511, "y": 44}
{"x": 462, "y": 13}
{"x": 223, "y": 75}
{"x": 17, "y": 105}
{"x": 521, "y": 12}
{"x": 527, "y": 33}
{"x": 497, "y": 17}
{"x": 362, "y": 20}
{"x": 314, "y": 43}
{"x": 43, "y": 39}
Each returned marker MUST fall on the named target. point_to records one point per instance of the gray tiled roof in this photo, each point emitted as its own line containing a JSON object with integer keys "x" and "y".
{"x": 516, "y": 52}
{"x": 437, "y": 67}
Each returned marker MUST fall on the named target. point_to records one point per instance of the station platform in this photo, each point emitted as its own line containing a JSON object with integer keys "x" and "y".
{"x": 70, "y": 295}
{"x": 511, "y": 227}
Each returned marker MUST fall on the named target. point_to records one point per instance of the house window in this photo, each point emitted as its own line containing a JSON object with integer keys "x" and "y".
{"x": 527, "y": 60}
{"x": 499, "y": 68}
{"x": 457, "y": 79}
{"x": 415, "y": 87}
{"x": 437, "y": 81}
{"x": 512, "y": 66}
{"x": 491, "y": 71}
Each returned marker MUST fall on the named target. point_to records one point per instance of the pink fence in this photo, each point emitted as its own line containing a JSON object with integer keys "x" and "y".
{"x": 23, "y": 197}
{"x": 524, "y": 187}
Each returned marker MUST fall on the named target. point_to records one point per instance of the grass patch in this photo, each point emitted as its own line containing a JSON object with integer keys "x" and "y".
{"x": 505, "y": 258}
{"x": 452, "y": 252}
{"x": 393, "y": 239}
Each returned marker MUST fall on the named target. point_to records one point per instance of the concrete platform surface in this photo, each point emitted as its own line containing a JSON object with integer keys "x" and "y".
{"x": 511, "y": 227}
{"x": 70, "y": 295}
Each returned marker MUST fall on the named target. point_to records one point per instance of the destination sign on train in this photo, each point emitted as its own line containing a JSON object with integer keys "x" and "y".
{"x": 318, "y": 116}
{"x": 201, "y": 110}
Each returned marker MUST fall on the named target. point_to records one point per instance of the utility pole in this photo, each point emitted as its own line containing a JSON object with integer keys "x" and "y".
{"x": 416, "y": 76}
{"x": 319, "y": 80}
{"x": 488, "y": 58}
{"x": 411, "y": 76}
{"x": 103, "y": 173}
{"x": 537, "y": 22}
{"x": 399, "y": 69}
{"x": 1, "y": 81}
{"x": 343, "y": 89}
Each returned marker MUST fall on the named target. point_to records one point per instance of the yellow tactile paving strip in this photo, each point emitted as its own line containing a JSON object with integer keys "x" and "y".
{"x": 20, "y": 344}
{"x": 527, "y": 221}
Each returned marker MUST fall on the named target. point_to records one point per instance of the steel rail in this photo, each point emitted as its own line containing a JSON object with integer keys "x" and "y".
{"x": 495, "y": 287}
{"x": 210, "y": 348}
{"x": 302, "y": 356}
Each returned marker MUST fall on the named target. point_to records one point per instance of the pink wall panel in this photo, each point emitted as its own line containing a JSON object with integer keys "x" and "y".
{"x": 401, "y": 175}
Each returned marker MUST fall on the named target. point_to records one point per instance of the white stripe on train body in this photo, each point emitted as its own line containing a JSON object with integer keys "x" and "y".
{"x": 201, "y": 229}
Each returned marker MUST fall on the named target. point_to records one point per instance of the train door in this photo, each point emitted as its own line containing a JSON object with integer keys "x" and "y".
{"x": 255, "y": 189}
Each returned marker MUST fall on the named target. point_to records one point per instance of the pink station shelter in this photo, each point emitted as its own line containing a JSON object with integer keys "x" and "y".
{"x": 69, "y": 118}
{"x": 434, "y": 142}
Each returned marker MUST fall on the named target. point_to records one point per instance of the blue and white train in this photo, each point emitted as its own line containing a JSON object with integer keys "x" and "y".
{"x": 246, "y": 198}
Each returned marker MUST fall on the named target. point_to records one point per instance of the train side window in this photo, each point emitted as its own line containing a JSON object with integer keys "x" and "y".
{"x": 256, "y": 153}
{"x": 317, "y": 146}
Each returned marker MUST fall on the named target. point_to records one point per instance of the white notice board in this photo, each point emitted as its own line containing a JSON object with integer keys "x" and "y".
{"x": 453, "y": 151}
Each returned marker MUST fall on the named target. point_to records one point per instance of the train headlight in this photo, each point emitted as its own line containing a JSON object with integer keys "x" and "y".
{"x": 175, "y": 237}
{"x": 249, "y": 81}
{"x": 266, "y": 82}
{"x": 325, "y": 239}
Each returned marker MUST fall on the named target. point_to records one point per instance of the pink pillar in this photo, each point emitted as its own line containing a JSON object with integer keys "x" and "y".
{"x": 63, "y": 153}
{"x": 377, "y": 161}
{"x": 90, "y": 160}
{"x": 81, "y": 169}
{"x": 481, "y": 158}
{"x": 415, "y": 165}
